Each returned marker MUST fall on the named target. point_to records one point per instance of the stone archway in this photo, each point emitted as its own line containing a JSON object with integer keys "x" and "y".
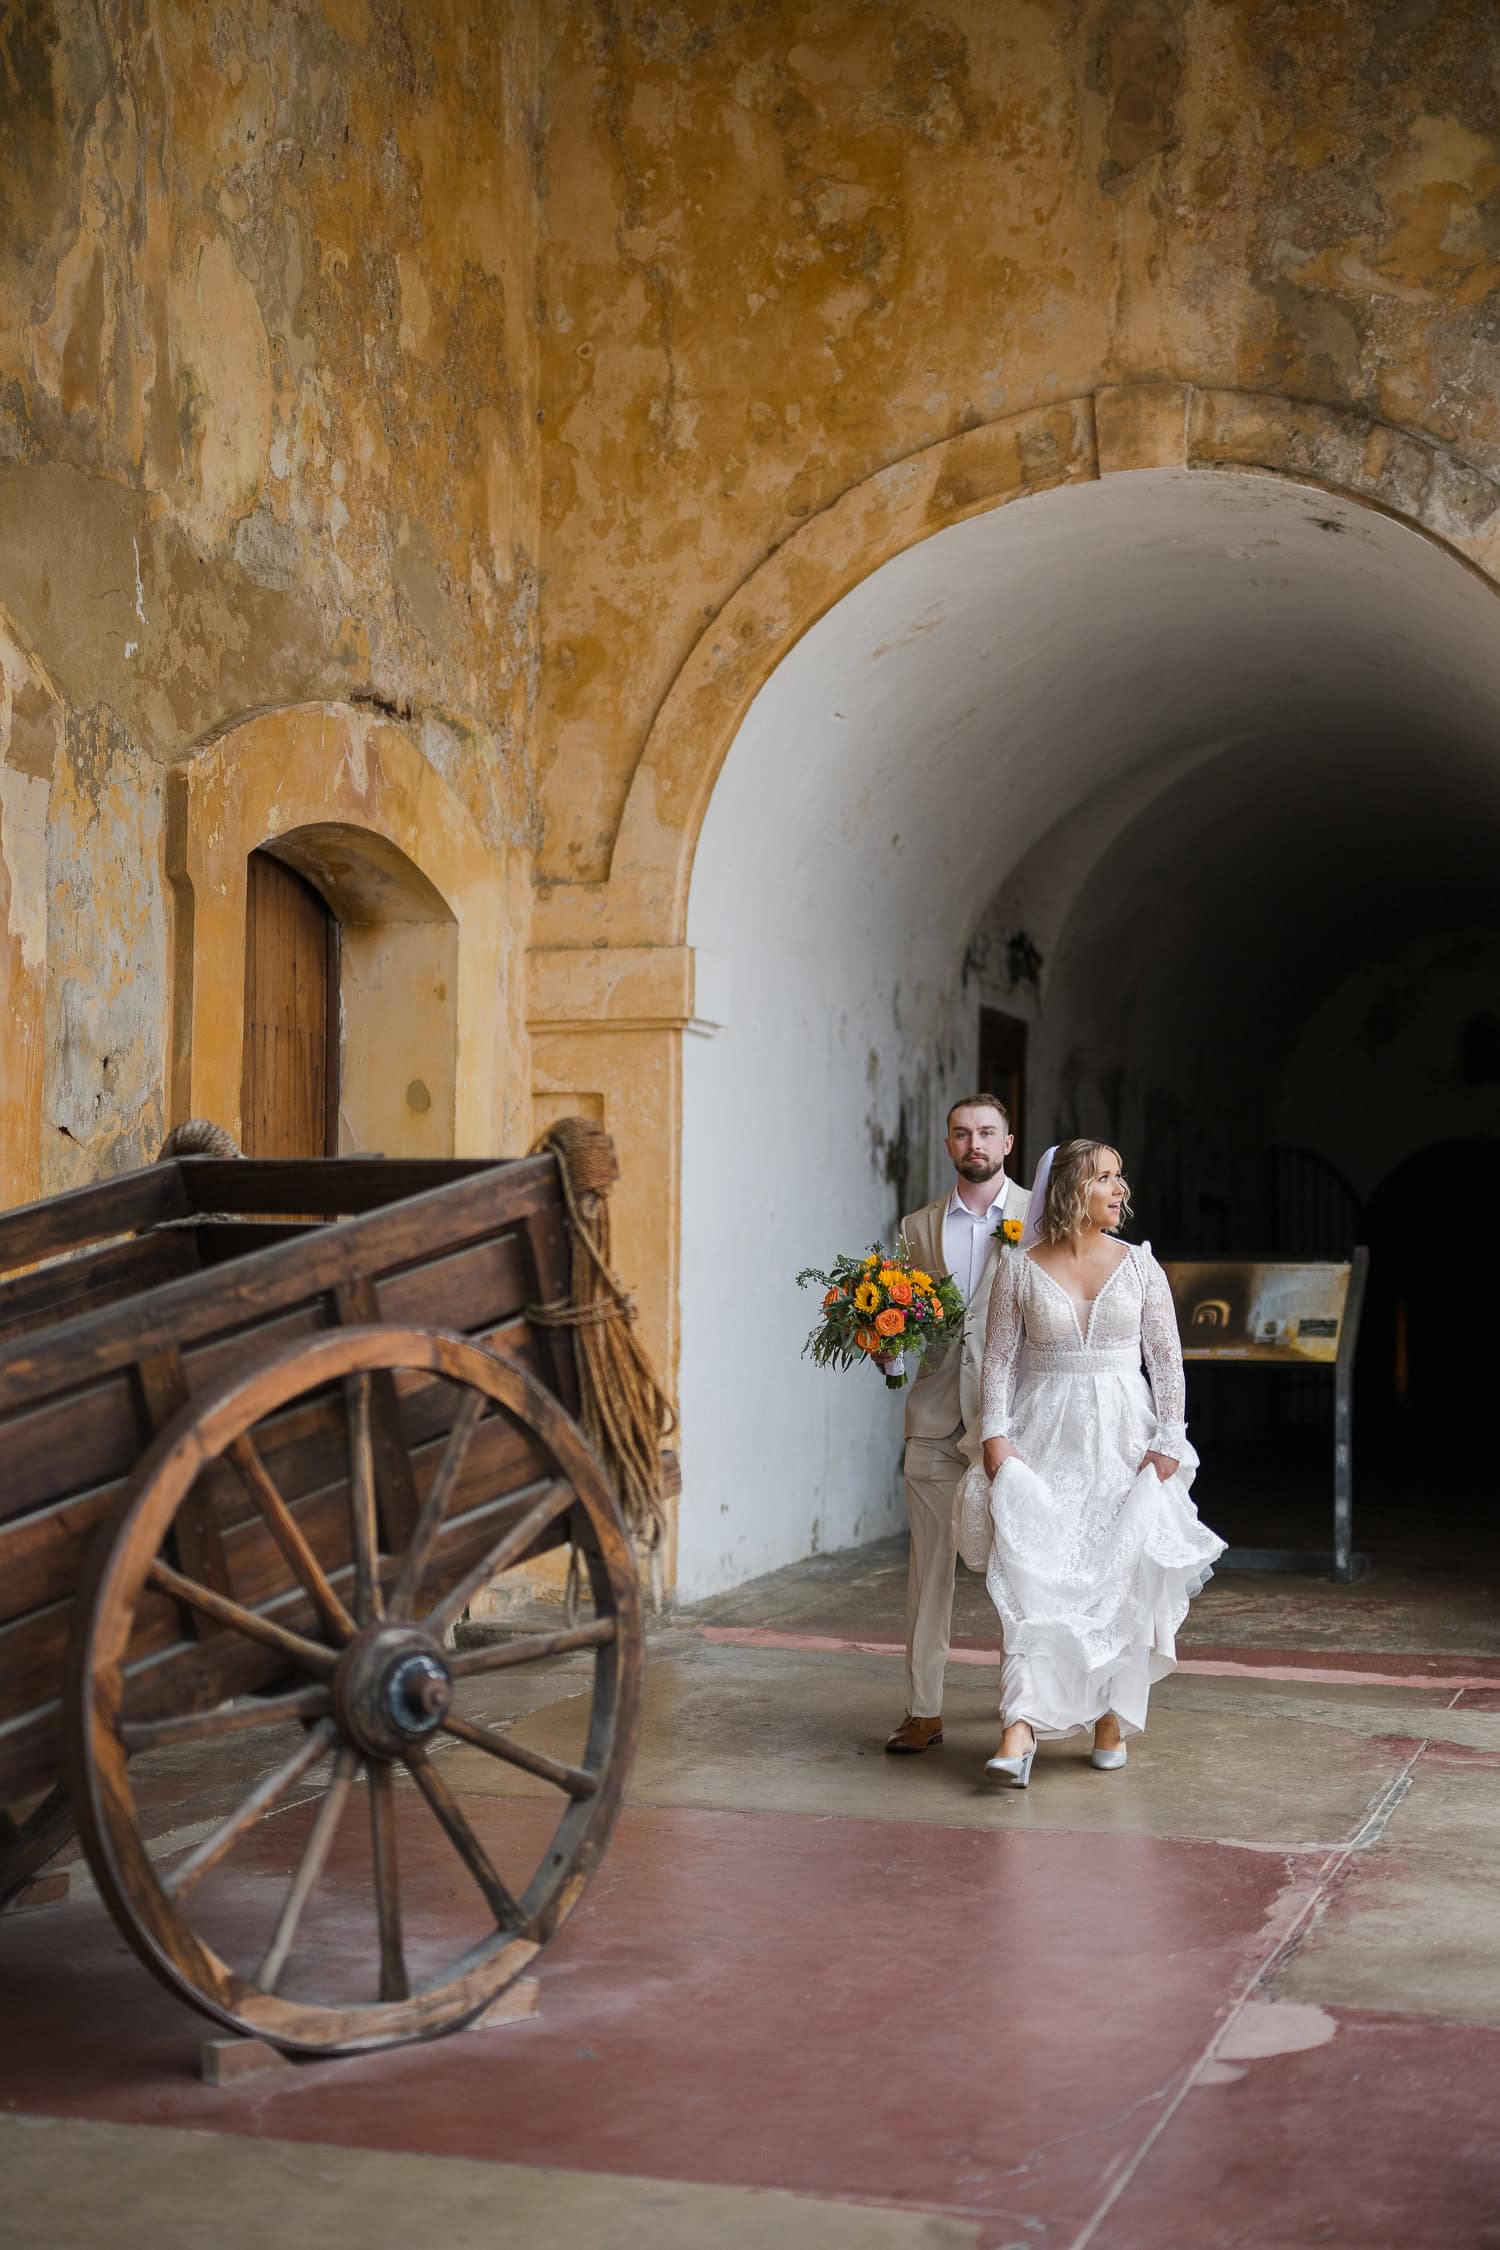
{"x": 612, "y": 984}
{"x": 1325, "y": 496}
{"x": 1111, "y": 431}
{"x": 621, "y": 979}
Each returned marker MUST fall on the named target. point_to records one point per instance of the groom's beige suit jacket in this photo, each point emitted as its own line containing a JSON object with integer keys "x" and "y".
{"x": 945, "y": 1395}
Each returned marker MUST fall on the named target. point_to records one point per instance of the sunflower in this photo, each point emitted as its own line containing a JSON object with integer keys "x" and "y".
{"x": 888, "y": 1274}
{"x": 922, "y": 1281}
{"x": 866, "y": 1297}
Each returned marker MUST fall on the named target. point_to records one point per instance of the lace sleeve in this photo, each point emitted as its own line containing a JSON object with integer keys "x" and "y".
{"x": 1161, "y": 1348}
{"x": 1002, "y": 1346}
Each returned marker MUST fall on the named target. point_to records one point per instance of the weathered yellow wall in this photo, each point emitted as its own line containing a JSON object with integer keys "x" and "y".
{"x": 531, "y": 375}
{"x": 29, "y": 734}
{"x": 267, "y": 437}
{"x": 784, "y": 247}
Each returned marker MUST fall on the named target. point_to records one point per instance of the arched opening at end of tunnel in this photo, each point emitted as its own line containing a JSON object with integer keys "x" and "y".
{"x": 1176, "y": 797}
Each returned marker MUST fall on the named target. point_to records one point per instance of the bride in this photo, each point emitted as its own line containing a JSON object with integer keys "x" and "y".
{"x": 1081, "y": 1516}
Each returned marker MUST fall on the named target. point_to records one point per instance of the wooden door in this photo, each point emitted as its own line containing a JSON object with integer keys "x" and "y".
{"x": 289, "y": 1099}
{"x": 1002, "y": 1072}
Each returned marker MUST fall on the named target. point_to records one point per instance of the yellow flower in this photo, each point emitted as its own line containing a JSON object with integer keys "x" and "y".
{"x": 871, "y": 1262}
{"x": 887, "y": 1275}
{"x": 1012, "y": 1229}
{"x": 866, "y": 1297}
{"x": 922, "y": 1281}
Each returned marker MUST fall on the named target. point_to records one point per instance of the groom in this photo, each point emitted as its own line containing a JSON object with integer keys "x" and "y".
{"x": 954, "y": 1235}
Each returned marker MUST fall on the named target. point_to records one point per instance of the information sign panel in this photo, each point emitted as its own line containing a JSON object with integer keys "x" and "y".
{"x": 1241, "y": 1309}
{"x": 1302, "y": 1313}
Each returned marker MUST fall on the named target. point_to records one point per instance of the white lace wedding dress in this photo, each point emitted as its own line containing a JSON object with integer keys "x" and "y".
{"x": 1090, "y": 1563}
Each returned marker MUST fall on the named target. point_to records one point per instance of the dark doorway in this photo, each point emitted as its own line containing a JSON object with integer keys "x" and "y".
{"x": 1002, "y": 1072}
{"x": 289, "y": 1097}
{"x": 1422, "y": 1379}
{"x": 1424, "y": 1353}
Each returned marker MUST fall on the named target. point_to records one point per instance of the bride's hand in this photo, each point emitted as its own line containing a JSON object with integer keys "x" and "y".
{"x": 997, "y": 1451}
{"x": 1165, "y": 1467}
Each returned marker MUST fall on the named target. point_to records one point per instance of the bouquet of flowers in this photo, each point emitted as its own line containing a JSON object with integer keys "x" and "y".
{"x": 877, "y": 1307}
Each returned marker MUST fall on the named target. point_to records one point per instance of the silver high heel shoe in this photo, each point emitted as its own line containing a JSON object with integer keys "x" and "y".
{"x": 1016, "y": 1771}
{"x": 1108, "y": 1760}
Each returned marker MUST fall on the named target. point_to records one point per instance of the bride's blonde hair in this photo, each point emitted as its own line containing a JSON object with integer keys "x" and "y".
{"x": 1066, "y": 1209}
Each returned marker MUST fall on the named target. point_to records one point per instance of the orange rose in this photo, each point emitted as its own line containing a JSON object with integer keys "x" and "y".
{"x": 832, "y": 1298}
{"x": 867, "y": 1340}
{"x": 899, "y": 1291}
{"x": 890, "y": 1322}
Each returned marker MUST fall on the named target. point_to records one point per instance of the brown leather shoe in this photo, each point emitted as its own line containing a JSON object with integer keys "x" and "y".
{"x": 916, "y": 1734}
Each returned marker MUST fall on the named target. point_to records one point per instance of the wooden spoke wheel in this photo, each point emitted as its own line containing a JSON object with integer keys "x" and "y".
{"x": 270, "y": 1526}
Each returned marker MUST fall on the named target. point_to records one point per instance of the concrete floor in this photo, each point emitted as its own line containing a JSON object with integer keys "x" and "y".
{"x": 1244, "y": 1995}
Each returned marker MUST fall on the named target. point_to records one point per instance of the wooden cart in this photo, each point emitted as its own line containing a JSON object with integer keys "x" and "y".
{"x": 265, "y": 1430}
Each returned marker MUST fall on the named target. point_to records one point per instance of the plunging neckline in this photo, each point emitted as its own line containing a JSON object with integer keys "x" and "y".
{"x": 1084, "y": 1327}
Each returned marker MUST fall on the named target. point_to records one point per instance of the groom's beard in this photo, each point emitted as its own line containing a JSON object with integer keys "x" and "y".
{"x": 979, "y": 1168}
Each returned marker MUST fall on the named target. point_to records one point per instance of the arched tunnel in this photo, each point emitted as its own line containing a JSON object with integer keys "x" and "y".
{"x": 1185, "y": 785}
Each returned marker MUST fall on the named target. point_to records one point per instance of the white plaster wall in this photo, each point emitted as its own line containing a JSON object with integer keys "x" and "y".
{"x": 1014, "y": 698}
{"x": 838, "y": 1024}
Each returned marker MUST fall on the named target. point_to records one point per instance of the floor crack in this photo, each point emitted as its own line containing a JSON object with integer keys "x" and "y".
{"x": 1369, "y": 1832}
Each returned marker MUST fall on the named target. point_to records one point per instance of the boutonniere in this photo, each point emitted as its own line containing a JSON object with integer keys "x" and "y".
{"x": 1010, "y": 1231}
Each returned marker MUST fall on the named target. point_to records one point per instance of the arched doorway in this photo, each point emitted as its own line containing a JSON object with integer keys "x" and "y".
{"x": 1156, "y": 764}
{"x": 356, "y": 826}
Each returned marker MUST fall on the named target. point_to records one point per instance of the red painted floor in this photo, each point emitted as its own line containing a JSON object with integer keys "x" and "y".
{"x": 968, "y": 2021}
{"x": 1470, "y": 1675}
{"x": 1384, "y": 2137}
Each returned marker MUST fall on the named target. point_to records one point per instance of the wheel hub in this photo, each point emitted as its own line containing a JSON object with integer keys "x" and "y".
{"x": 392, "y": 1689}
{"x": 417, "y": 1693}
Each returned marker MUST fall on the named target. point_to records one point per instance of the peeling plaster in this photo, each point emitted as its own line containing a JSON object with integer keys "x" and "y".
{"x": 107, "y": 951}
{"x": 23, "y": 847}
{"x": 203, "y": 219}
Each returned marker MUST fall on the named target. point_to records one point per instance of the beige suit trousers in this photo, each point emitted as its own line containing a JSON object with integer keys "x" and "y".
{"x": 933, "y": 1469}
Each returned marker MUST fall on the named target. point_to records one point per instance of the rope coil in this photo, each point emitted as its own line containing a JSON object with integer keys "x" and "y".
{"x": 623, "y": 1408}
{"x": 198, "y": 1136}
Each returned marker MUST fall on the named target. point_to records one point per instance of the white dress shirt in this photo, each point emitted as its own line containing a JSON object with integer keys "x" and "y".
{"x": 968, "y": 1237}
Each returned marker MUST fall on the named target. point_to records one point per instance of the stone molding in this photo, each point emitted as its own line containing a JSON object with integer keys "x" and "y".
{"x": 626, "y": 987}
{"x": 1110, "y": 431}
